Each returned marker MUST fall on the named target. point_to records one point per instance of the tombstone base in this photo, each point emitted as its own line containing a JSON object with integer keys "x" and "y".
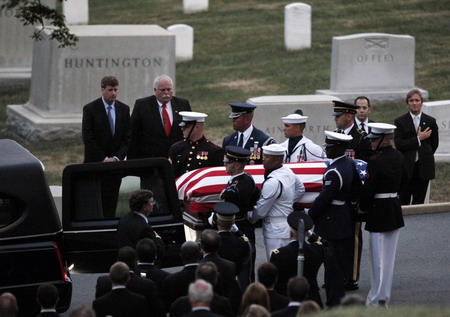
{"x": 442, "y": 157}
{"x": 11, "y": 76}
{"x": 22, "y": 122}
{"x": 375, "y": 97}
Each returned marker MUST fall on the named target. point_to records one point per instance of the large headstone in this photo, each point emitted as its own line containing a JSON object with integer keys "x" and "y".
{"x": 377, "y": 65}
{"x": 76, "y": 11}
{"x": 16, "y": 46}
{"x": 297, "y": 26}
{"x": 194, "y": 6}
{"x": 441, "y": 111}
{"x": 65, "y": 79}
{"x": 184, "y": 47}
{"x": 318, "y": 109}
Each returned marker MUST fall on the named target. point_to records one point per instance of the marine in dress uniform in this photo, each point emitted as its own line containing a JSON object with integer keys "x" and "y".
{"x": 386, "y": 175}
{"x": 333, "y": 210}
{"x": 195, "y": 151}
{"x": 281, "y": 188}
{"x": 299, "y": 147}
{"x": 246, "y": 135}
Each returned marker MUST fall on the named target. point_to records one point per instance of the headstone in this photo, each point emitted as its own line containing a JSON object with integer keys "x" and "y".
{"x": 65, "y": 79}
{"x": 16, "y": 46}
{"x": 297, "y": 26}
{"x": 441, "y": 111}
{"x": 76, "y": 11}
{"x": 318, "y": 109}
{"x": 194, "y": 6}
{"x": 184, "y": 39}
{"x": 377, "y": 65}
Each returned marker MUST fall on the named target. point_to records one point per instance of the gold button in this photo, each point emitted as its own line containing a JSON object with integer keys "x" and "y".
{"x": 190, "y": 158}
{"x": 188, "y": 165}
{"x": 191, "y": 152}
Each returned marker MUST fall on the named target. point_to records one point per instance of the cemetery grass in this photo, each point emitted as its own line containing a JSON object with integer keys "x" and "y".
{"x": 239, "y": 53}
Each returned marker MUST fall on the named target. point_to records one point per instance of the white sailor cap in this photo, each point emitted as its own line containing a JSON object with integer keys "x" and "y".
{"x": 294, "y": 118}
{"x": 377, "y": 130}
{"x": 189, "y": 117}
{"x": 274, "y": 149}
{"x": 335, "y": 138}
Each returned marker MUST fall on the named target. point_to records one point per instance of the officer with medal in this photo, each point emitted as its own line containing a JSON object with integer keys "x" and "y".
{"x": 241, "y": 190}
{"x": 195, "y": 150}
{"x": 246, "y": 135}
{"x": 333, "y": 210}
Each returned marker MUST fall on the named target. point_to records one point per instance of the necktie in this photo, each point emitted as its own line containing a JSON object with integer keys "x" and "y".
{"x": 110, "y": 119}
{"x": 363, "y": 126}
{"x": 241, "y": 140}
{"x": 166, "y": 120}
{"x": 416, "y": 123}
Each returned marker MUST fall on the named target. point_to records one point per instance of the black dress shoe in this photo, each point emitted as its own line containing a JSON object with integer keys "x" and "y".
{"x": 351, "y": 286}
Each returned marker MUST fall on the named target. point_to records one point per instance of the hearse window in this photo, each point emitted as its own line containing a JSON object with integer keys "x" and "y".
{"x": 10, "y": 211}
{"x": 105, "y": 196}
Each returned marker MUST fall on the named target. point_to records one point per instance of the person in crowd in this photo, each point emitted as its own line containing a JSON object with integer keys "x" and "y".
{"x": 136, "y": 283}
{"x": 268, "y": 276}
{"x": 334, "y": 208}
{"x": 47, "y": 297}
{"x": 195, "y": 151}
{"x": 105, "y": 130}
{"x": 8, "y": 305}
{"x": 155, "y": 120}
{"x": 200, "y": 296}
{"x": 120, "y": 302}
{"x": 417, "y": 138}
{"x": 246, "y": 135}
{"x": 82, "y": 311}
{"x": 299, "y": 147}
{"x": 308, "y": 307}
{"x": 134, "y": 225}
{"x": 255, "y": 293}
{"x": 386, "y": 176}
{"x": 362, "y": 114}
{"x": 280, "y": 190}
{"x": 298, "y": 288}
{"x": 255, "y": 310}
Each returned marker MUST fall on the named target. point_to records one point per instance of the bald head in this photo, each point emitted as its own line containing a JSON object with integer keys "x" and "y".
{"x": 8, "y": 305}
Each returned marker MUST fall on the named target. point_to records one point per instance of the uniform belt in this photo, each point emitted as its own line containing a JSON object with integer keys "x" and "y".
{"x": 275, "y": 219}
{"x": 338, "y": 202}
{"x": 385, "y": 195}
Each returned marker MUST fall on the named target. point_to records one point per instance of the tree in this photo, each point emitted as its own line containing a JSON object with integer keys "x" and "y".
{"x": 34, "y": 12}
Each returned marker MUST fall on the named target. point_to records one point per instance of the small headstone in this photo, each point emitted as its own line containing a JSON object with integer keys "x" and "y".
{"x": 65, "y": 79}
{"x": 194, "y": 6}
{"x": 441, "y": 111}
{"x": 297, "y": 26}
{"x": 184, "y": 39}
{"x": 317, "y": 108}
{"x": 76, "y": 11}
{"x": 377, "y": 65}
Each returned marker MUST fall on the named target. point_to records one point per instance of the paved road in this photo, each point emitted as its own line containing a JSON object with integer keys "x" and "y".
{"x": 422, "y": 272}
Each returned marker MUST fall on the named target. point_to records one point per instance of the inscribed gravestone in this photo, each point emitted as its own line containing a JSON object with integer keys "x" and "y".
{"x": 184, "y": 39}
{"x": 297, "y": 26}
{"x": 441, "y": 111}
{"x": 65, "y": 79}
{"x": 318, "y": 109}
{"x": 194, "y": 6}
{"x": 377, "y": 65}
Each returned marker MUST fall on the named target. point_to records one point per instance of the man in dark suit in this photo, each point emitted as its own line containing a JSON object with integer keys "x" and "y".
{"x": 146, "y": 254}
{"x": 155, "y": 120}
{"x": 200, "y": 296}
{"x": 206, "y": 271}
{"x": 47, "y": 297}
{"x": 268, "y": 276}
{"x": 417, "y": 138}
{"x": 177, "y": 284}
{"x": 246, "y": 135}
{"x": 106, "y": 134}
{"x": 134, "y": 225}
{"x": 120, "y": 302}
{"x": 136, "y": 284}
{"x": 362, "y": 114}
{"x": 298, "y": 288}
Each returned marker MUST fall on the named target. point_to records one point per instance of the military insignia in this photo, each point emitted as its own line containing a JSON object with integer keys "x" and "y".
{"x": 244, "y": 237}
{"x": 276, "y": 251}
{"x": 202, "y": 155}
{"x": 350, "y": 153}
{"x": 255, "y": 151}
{"x": 318, "y": 242}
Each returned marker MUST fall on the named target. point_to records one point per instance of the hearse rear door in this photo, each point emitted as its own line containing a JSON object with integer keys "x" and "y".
{"x": 95, "y": 196}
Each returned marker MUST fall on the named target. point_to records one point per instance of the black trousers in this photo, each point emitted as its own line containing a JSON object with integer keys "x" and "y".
{"x": 416, "y": 188}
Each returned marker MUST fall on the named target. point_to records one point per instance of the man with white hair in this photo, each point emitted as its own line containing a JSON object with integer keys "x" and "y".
{"x": 281, "y": 188}
{"x": 299, "y": 147}
{"x": 200, "y": 296}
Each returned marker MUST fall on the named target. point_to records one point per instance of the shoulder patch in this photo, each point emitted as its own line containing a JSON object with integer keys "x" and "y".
{"x": 276, "y": 251}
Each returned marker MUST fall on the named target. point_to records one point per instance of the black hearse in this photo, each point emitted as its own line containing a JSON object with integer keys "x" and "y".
{"x": 39, "y": 246}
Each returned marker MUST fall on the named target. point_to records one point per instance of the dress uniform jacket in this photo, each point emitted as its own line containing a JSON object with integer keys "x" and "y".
{"x": 386, "y": 173}
{"x": 304, "y": 151}
{"x": 360, "y": 145}
{"x": 186, "y": 155}
{"x": 256, "y": 136}
{"x": 234, "y": 249}
{"x": 121, "y": 303}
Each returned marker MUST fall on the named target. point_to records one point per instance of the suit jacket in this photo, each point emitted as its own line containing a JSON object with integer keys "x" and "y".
{"x": 406, "y": 141}
{"x": 290, "y": 311}
{"x": 219, "y": 305}
{"x": 148, "y": 137}
{"x": 99, "y": 142}
{"x": 132, "y": 228}
{"x": 202, "y": 313}
{"x": 48, "y": 314}
{"x": 153, "y": 273}
{"x": 256, "y": 135}
{"x": 177, "y": 284}
{"x": 277, "y": 301}
{"x": 121, "y": 303}
{"x": 137, "y": 285}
